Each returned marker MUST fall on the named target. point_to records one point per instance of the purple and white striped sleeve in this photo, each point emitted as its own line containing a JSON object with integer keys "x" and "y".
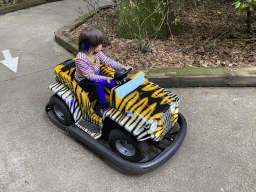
{"x": 84, "y": 68}
{"x": 107, "y": 61}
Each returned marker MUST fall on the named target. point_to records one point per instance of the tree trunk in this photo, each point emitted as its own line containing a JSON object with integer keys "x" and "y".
{"x": 249, "y": 21}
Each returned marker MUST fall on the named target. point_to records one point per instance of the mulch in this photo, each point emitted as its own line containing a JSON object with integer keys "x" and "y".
{"x": 212, "y": 35}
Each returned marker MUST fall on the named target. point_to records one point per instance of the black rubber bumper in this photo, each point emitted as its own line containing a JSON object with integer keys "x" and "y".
{"x": 124, "y": 165}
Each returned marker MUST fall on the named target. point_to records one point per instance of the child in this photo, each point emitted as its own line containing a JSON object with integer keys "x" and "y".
{"x": 88, "y": 64}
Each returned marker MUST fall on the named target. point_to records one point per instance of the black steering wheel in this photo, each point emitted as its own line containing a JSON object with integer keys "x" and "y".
{"x": 121, "y": 74}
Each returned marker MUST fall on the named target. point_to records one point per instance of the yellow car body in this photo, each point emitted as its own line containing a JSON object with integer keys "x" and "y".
{"x": 134, "y": 105}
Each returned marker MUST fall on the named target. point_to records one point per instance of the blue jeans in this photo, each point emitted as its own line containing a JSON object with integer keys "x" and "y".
{"x": 99, "y": 88}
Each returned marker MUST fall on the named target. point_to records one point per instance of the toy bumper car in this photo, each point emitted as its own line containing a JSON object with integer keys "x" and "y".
{"x": 139, "y": 132}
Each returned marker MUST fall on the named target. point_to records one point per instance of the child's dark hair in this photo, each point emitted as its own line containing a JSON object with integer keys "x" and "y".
{"x": 88, "y": 37}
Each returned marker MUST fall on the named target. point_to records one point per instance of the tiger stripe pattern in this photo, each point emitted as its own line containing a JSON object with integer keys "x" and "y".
{"x": 80, "y": 97}
{"x": 146, "y": 103}
{"x": 106, "y": 70}
{"x": 134, "y": 111}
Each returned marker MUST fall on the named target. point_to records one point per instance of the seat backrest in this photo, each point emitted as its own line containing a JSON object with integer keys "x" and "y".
{"x": 68, "y": 64}
{"x": 73, "y": 73}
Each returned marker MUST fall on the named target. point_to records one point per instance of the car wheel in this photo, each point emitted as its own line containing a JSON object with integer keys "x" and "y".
{"x": 126, "y": 146}
{"x": 60, "y": 110}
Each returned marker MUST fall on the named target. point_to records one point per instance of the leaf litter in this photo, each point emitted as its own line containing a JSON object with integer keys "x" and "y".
{"x": 212, "y": 35}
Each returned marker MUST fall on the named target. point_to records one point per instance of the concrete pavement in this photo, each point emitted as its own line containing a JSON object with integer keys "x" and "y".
{"x": 29, "y": 35}
{"x": 22, "y": 5}
{"x": 218, "y": 153}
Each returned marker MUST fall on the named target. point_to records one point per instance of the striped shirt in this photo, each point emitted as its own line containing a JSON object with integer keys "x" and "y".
{"x": 89, "y": 70}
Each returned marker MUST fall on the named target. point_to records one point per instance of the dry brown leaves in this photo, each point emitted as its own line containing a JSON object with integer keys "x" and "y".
{"x": 208, "y": 39}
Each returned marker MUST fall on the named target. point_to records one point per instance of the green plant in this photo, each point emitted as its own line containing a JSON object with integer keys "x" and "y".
{"x": 10, "y": 2}
{"x": 146, "y": 19}
{"x": 197, "y": 42}
{"x": 213, "y": 43}
{"x": 93, "y": 6}
{"x": 248, "y": 6}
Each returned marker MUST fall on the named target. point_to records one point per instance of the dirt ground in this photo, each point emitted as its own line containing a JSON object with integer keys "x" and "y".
{"x": 212, "y": 35}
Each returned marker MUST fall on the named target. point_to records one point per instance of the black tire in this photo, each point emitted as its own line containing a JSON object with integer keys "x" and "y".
{"x": 60, "y": 110}
{"x": 126, "y": 146}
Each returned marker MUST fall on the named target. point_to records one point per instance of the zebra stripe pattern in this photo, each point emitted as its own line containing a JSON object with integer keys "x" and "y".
{"x": 137, "y": 126}
{"x": 62, "y": 91}
{"x": 80, "y": 96}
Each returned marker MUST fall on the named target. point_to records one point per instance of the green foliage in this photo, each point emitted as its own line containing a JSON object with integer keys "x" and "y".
{"x": 246, "y": 6}
{"x": 213, "y": 43}
{"x": 141, "y": 19}
{"x": 10, "y": 2}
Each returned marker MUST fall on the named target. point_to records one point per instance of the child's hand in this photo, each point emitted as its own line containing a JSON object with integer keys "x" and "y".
{"x": 128, "y": 67}
{"x": 108, "y": 79}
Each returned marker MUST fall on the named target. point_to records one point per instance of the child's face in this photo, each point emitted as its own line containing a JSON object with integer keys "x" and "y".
{"x": 98, "y": 48}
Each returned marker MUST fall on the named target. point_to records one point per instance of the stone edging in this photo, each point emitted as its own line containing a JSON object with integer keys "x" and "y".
{"x": 69, "y": 41}
{"x": 171, "y": 77}
{"x": 19, "y": 6}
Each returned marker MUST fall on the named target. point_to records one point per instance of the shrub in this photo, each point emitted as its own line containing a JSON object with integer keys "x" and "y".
{"x": 139, "y": 19}
{"x": 248, "y": 6}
